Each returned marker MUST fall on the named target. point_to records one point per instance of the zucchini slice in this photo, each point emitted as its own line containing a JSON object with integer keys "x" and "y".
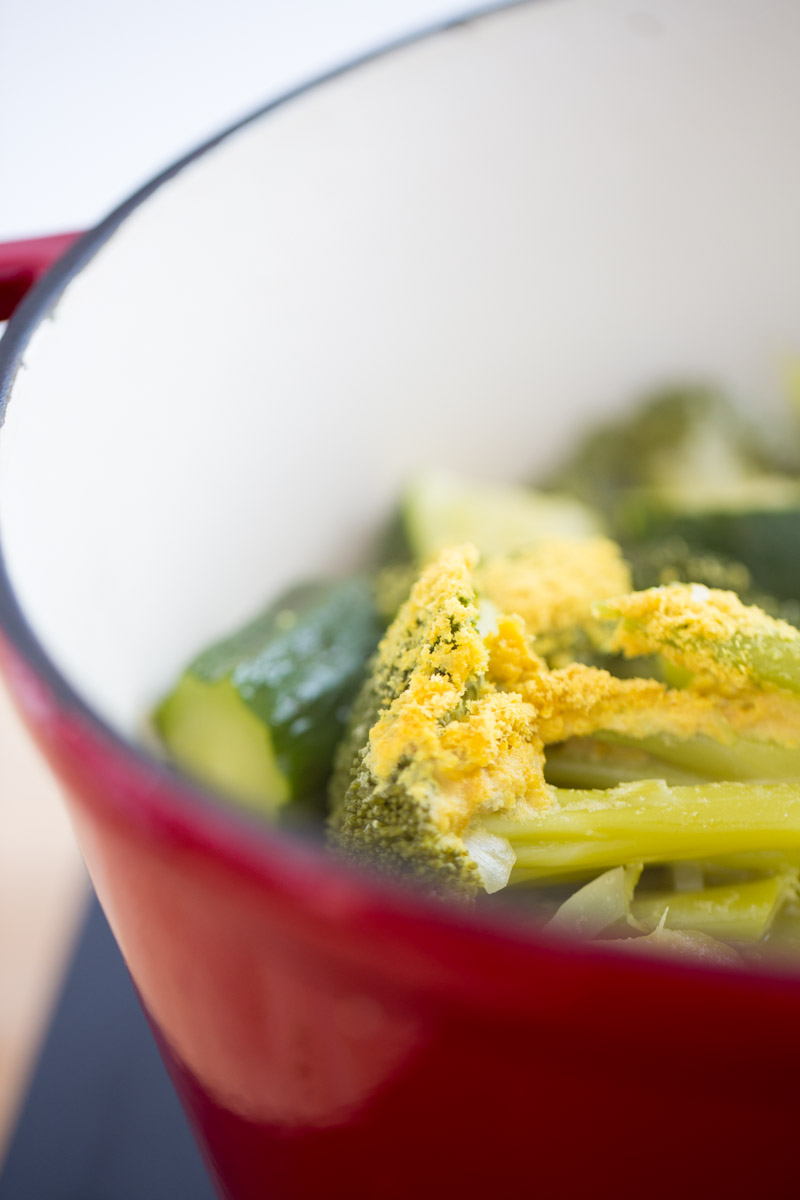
{"x": 259, "y": 714}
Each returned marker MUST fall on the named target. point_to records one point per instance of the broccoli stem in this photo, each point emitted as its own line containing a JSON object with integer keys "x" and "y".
{"x": 730, "y": 912}
{"x": 702, "y": 629}
{"x": 743, "y": 759}
{"x": 785, "y": 931}
{"x": 605, "y": 761}
{"x": 773, "y": 660}
{"x": 734, "y": 868}
{"x": 650, "y": 822}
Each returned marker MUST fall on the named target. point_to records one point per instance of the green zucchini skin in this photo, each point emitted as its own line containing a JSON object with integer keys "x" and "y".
{"x": 687, "y": 464}
{"x": 296, "y": 669}
{"x": 766, "y": 541}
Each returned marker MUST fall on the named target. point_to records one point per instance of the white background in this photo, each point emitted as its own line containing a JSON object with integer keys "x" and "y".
{"x": 96, "y": 96}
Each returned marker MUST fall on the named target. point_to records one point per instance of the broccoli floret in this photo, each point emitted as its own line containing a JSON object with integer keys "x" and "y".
{"x": 553, "y": 587}
{"x": 708, "y": 633}
{"x": 441, "y": 776}
{"x": 679, "y": 439}
{"x": 391, "y": 828}
{"x": 431, "y": 741}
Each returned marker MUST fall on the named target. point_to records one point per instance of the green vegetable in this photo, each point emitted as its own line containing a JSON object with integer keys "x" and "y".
{"x": 741, "y": 911}
{"x": 784, "y": 934}
{"x": 600, "y": 904}
{"x": 730, "y": 912}
{"x": 392, "y": 817}
{"x": 670, "y": 559}
{"x": 602, "y": 762}
{"x": 539, "y": 718}
{"x": 700, "y": 629}
{"x": 670, "y": 441}
{"x": 650, "y": 822}
{"x": 686, "y": 465}
{"x": 700, "y": 757}
{"x": 259, "y": 714}
{"x": 400, "y": 775}
{"x": 439, "y": 510}
{"x": 756, "y": 522}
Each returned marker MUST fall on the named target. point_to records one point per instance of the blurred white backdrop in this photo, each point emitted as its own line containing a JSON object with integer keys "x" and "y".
{"x": 97, "y": 95}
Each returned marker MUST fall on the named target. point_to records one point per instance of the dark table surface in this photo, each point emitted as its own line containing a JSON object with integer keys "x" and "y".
{"x": 100, "y": 1121}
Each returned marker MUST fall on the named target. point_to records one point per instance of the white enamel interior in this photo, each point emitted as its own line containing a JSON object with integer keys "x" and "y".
{"x": 451, "y": 255}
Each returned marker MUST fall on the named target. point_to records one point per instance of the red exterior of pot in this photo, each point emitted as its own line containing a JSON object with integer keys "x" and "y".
{"x": 329, "y": 1035}
{"x": 23, "y": 263}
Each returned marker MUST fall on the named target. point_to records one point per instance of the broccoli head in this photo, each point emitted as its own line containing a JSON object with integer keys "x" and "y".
{"x": 441, "y": 775}
{"x": 432, "y": 742}
{"x": 679, "y": 438}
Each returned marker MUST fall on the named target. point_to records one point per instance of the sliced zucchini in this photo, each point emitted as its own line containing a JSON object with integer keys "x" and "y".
{"x": 756, "y": 522}
{"x": 439, "y": 510}
{"x": 259, "y": 714}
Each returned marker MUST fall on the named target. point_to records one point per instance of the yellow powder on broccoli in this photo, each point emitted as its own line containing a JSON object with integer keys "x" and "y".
{"x": 703, "y": 630}
{"x": 471, "y": 715}
{"x": 554, "y": 585}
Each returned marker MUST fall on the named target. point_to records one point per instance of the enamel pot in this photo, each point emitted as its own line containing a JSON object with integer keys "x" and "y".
{"x": 459, "y": 252}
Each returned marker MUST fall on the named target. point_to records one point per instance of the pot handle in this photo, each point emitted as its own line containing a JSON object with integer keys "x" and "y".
{"x": 22, "y": 263}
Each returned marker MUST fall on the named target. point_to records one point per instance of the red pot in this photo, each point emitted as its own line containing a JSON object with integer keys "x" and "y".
{"x": 453, "y": 253}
